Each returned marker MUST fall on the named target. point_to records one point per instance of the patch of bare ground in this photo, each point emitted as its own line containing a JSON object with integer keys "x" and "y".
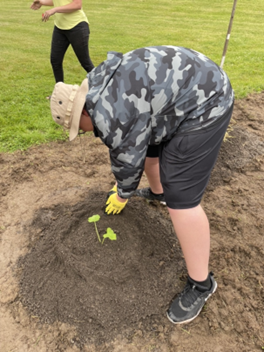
{"x": 61, "y": 290}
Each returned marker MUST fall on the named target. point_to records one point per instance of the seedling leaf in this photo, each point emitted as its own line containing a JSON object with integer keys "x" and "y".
{"x": 94, "y": 218}
{"x": 109, "y": 234}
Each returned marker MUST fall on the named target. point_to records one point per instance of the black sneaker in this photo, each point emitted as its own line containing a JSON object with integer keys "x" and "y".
{"x": 190, "y": 302}
{"x": 149, "y": 195}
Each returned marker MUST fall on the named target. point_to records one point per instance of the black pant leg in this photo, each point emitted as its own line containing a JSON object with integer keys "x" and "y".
{"x": 79, "y": 39}
{"x": 59, "y": 46}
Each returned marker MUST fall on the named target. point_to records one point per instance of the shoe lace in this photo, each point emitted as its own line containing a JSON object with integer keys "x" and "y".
{"x": 189, "y": 294}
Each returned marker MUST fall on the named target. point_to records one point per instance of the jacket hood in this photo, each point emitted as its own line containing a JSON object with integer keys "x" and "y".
{"x": 99, "y": 77}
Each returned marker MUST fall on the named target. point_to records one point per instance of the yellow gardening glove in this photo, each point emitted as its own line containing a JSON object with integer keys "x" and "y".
{"x": 113, "y": 204}
{"x": 112, "y": 191}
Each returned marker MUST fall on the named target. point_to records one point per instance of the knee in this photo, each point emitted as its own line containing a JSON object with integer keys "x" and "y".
{"x": 55, "y": 61}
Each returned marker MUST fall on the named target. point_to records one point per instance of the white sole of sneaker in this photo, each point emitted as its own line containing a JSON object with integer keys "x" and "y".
{"x": 189, "y": 320}
{"x": 150, "y": 201}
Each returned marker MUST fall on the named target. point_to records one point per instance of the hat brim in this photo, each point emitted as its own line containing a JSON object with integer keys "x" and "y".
{"x": 77, "y": 109}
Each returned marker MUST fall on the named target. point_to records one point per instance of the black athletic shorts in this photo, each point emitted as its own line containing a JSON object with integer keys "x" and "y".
{"x": 186, "y": 162}
{"x": 153, "y": 151}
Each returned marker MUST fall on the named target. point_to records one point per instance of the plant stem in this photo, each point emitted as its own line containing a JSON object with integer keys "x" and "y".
{"x": 97, "y": 232}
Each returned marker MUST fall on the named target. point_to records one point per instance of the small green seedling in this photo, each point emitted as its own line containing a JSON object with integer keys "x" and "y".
{"x": 94, "y": 219}
{"x": 109, "y": 232}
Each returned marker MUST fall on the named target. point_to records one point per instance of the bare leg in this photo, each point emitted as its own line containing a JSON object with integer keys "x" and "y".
{"x": 153, "y": 175}
{"x": 192, "y": 229}
{"x": 191, "y": 226}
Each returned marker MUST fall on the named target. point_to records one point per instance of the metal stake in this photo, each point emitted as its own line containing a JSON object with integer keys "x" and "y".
{"x": 228, "y": 34}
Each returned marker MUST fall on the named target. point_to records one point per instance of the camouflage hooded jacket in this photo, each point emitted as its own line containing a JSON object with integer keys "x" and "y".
{"x": 145, "y": 96}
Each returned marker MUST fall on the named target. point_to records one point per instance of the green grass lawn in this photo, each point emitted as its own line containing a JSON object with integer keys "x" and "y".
{"x": 26, "y": 75}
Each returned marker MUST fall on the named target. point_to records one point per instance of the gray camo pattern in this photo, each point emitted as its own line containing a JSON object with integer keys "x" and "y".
{"x": 147, "y": 95}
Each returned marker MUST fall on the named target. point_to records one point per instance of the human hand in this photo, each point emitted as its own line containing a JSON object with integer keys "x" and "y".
{"x": 114, "y": 205}
{"x": 46, "y": 15}
{"x": 36, "y": 5}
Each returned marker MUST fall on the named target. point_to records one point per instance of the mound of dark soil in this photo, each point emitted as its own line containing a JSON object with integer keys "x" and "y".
{"x": 106, "y": 288}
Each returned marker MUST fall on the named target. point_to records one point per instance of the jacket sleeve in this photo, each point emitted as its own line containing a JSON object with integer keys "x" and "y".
{"x": 124, "y": 124}
{"x": 128, "y": 156}
{"x": 125, "y": 129}
{"x": 121, "y": 114}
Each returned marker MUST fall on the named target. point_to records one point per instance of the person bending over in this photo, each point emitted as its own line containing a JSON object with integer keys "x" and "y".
{"x": 163, "y": 110}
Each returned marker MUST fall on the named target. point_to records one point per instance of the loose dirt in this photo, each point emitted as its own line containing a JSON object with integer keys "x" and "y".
{"x": 62, "y": 290}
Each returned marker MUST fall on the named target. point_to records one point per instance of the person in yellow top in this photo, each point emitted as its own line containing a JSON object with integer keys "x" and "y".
{"x": 71, "y": 27}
